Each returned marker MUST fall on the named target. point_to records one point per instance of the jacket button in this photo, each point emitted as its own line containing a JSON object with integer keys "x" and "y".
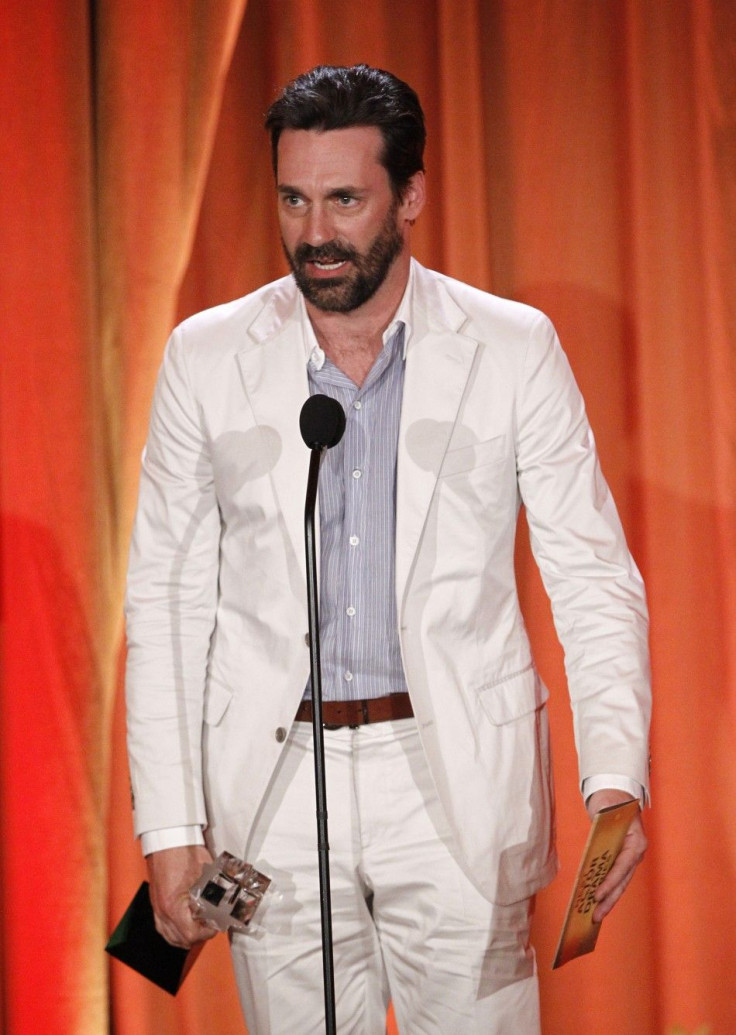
{"x": 281, "y": 735}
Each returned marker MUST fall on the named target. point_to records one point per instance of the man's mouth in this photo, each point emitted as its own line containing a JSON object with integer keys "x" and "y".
{"x": 325, "y": 259}
{"x": 329, "y": 265}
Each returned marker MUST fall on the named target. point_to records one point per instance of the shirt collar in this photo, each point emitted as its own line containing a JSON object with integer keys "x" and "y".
{"x": 314, "y": 355}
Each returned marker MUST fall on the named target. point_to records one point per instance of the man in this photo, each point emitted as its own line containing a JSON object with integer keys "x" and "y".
{"x": 459, "y": 406}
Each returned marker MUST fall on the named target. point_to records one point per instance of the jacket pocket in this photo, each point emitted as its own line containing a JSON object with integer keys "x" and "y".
{"x": 216, "y": 702}
{"x": 514, "y": 696}
{"x": 468, "y": 458}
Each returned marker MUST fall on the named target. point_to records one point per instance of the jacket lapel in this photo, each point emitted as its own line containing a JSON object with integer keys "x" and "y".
{"x": 274, "y": 373}
{"x": 438, "y": 364}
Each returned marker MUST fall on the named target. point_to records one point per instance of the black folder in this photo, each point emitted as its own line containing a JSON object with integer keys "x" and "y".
{"x": 137, "y": 943}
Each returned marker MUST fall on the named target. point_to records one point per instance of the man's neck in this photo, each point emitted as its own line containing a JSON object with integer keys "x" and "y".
{"x": 353, "y": 341}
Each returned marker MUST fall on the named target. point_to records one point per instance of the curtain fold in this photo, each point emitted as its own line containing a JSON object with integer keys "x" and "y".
{"x": 581, "y": 158}
{"x": 109, "y": 111}
{"x": 160, "y": 71}
{"x": 159, "y": 74}
{"x": 52, "y": 729}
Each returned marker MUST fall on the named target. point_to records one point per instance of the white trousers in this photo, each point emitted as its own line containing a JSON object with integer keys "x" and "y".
{"x": 407, "y": 923}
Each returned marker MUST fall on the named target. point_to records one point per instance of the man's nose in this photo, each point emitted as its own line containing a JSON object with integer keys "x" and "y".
{"x": 318, "y": 228}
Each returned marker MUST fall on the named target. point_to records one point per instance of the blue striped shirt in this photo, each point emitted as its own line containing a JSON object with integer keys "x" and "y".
{"x": 359, "y": 640}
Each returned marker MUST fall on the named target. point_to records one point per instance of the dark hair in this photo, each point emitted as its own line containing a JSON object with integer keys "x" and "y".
{"x": 333, "y": 97}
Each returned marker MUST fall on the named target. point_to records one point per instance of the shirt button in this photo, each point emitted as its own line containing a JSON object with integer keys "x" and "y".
{"x": 348, "y": 677}
{"x": 350, "y": 611}
{"x": 357, "y": 405}
{"x": 357, "y": 472}
{"x": 281, "y": 735}
{"x": 354, "y": 540}
{"x": 306, "y": 639}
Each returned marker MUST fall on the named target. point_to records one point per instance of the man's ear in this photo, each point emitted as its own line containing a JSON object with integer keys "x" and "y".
{"x": 413, "y": 198}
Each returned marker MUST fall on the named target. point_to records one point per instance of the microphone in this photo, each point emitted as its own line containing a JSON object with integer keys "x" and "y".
{"x": 322, "y": 422}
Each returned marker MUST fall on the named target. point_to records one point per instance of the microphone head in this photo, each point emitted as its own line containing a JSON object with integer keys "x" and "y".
{"x": 322, "y": 422}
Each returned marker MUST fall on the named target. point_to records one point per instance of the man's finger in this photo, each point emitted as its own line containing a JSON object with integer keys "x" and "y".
{"x": 180, "y": 927}
{"x": 606, "y": 904}
{"x": 613, "y": 887}
{"x": 184, "y": 935}
{"x": 632, "y": 853}
{"x": 624, "y": 866}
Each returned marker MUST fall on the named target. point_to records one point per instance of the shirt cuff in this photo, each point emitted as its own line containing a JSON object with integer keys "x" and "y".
{"x": 171, "y": 837}
{"x": 613, "y": 782}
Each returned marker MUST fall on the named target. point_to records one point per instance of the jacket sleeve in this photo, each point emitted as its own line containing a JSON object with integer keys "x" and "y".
{"x": 596, "y": 591}
{"x": 170, "y": 605}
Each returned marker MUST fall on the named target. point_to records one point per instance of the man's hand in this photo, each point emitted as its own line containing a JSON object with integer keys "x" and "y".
{"x": 171, "y": 874}
{"x": 632, "y": 853}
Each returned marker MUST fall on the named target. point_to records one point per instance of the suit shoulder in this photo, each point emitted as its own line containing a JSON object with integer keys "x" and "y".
{"x": 224, "y": 328}
{"x": 490, "y": 314}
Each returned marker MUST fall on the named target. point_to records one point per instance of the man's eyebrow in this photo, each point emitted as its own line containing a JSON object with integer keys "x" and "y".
{"x": 336, "y": 192}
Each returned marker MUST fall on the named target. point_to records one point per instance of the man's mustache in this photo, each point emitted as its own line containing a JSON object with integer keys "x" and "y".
{"x": 330, "y": 251}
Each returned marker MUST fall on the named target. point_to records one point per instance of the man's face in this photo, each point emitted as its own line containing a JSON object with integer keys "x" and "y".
{"x": 341, "y": 225}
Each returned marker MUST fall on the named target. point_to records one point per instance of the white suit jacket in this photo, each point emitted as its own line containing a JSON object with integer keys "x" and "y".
{"x": 216, "y": 605}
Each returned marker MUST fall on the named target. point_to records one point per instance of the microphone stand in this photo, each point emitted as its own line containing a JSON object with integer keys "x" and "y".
{"x": 323, "y": 846}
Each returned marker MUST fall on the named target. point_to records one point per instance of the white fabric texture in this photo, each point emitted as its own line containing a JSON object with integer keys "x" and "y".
{"x": 407, "y": 922}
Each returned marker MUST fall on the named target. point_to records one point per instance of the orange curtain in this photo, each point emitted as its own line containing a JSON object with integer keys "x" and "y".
{"x": 582, "y": 158}
{"x": 109, "y": 112}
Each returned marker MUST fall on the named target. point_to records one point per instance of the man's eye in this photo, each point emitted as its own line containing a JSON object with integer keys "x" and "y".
{"x": 345, "y": 200}
{"x": 292, "y": 200}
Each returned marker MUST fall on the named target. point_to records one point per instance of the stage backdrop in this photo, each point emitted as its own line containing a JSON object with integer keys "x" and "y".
{"x": 582, "y": 158}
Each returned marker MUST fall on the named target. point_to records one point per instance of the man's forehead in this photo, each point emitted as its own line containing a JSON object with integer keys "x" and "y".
{"x": 354, "y": 146}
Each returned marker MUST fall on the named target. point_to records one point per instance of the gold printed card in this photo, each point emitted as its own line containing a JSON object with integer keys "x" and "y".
{"x": 606, "y": 837}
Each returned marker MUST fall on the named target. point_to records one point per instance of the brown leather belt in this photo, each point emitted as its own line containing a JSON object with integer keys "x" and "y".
{"x": 357, "y": 713}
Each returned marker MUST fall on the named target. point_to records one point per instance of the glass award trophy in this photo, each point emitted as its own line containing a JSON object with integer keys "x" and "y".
{"x": 228, "y": 893}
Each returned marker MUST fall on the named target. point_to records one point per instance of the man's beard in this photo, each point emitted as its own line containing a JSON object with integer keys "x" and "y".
{"x": 363, "y": 278}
